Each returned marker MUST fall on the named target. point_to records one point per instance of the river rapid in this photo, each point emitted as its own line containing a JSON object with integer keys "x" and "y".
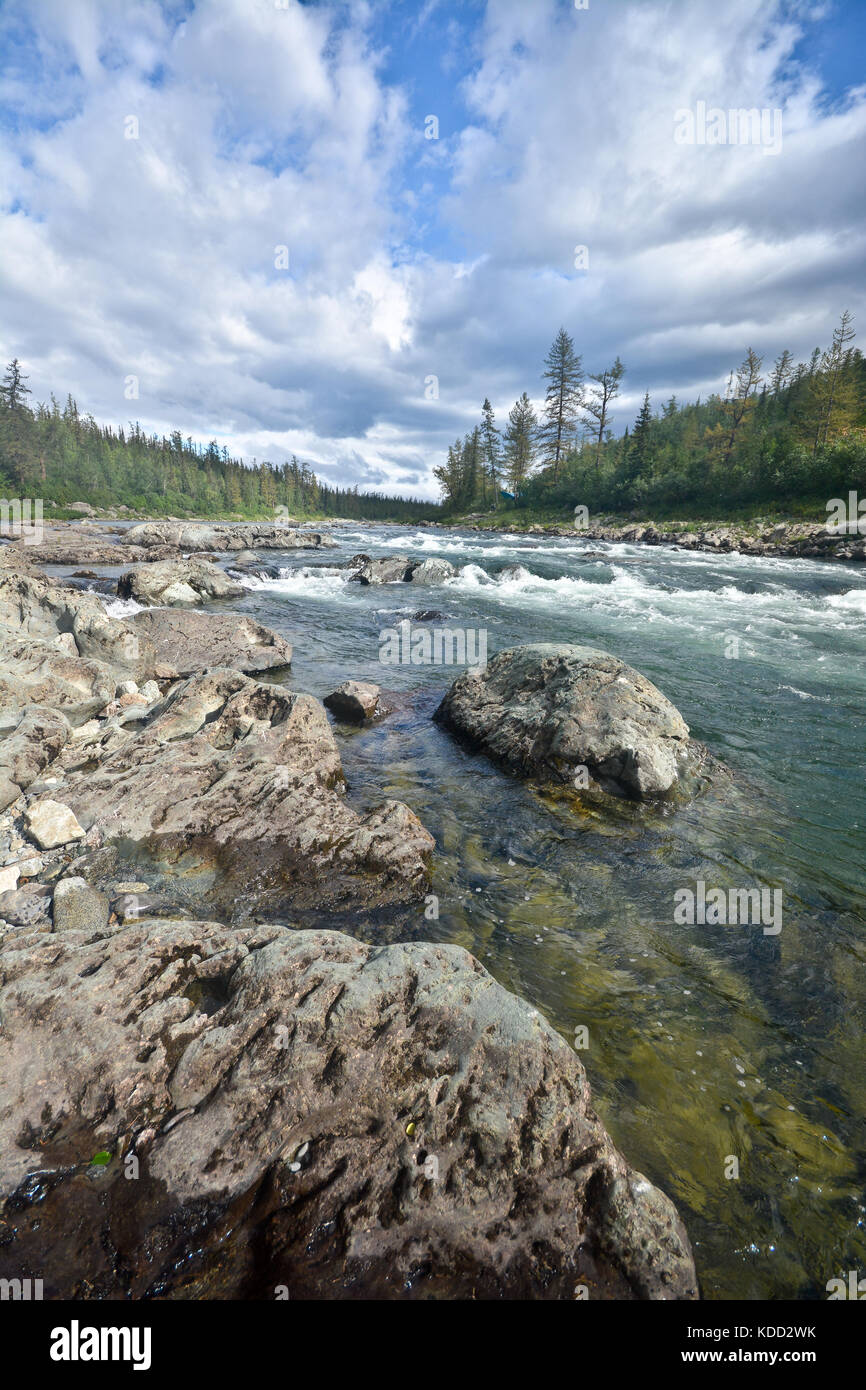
{"x": 703, "y": 1044}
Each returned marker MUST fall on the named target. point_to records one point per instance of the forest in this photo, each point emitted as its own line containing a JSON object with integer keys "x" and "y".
{"x": 780, "y": 436}
{"x": 63, "y": 456}
{"x": 786, "y": 436}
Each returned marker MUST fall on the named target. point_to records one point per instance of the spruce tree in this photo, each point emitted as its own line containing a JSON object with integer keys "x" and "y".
{"x": 491, "y": 445}
{"x": 520, "y": 442}
{"x": 564, "y": 376}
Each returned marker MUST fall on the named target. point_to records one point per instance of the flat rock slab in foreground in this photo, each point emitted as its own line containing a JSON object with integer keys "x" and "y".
{"x": 306, "y": 1112}
{"x": 191, "y": 642}
{"x": 547, "y": 709}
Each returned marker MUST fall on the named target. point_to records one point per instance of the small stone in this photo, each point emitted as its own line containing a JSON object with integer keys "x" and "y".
{"x": 52, "y": 824}
{"x": 151, "y": 691}
{"x": 29, "y": 868}
{"x": 128, "y": 688}
{"x": 136, "y": 698}
{"x": 354, "y": 701}
{"x": 131, "y": 887}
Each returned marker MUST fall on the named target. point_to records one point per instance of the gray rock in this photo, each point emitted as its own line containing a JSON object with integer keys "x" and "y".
{"x": 59, "y": 648}
{"x": 243, "y": 782}
{"x": 51, "y": 823}
{"x": 390, "y": 569}
{"x": 190, "y": 535}
{"x": 27, "y": 906}
{"x": 354, "y": 701}
{"x": 79, "y": 907}
{"x": 347, "y": 1120}
{"x": 431, "y": 571}
{"x": 177, "y": 582}
{"x": 546, "y": 709}
{"x": 25, "y": 753}
{"x": 130, "y": 907}
{"x": 198, "y": 642}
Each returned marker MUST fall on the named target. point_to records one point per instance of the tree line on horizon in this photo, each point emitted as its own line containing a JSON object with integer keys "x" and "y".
{"x": 63, "y": 456}
{"x": 792, "y": 431}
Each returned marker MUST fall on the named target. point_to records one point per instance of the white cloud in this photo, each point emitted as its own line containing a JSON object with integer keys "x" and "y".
{"x": 262, "y": 127}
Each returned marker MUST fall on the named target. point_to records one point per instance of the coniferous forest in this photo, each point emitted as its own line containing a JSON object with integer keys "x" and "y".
{"x": 62, "y": 455}
{"x": 780, "y": 435}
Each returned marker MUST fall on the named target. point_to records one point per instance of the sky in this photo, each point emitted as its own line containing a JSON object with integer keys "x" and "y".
{"x": 333, "y": 228}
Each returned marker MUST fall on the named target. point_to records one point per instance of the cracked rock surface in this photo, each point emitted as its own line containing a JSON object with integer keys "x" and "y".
{"x": 309, "y": 1112}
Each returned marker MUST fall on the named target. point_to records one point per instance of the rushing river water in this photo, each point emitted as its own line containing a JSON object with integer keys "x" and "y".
{"x": 705, "y": 1043}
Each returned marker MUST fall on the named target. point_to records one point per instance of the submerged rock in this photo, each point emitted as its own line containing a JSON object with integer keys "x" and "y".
{"x": 547, "y": 710}
{"x": 197, "y": 642}
{"x": 177, "y": 582}
{"x": 306, "y": 1114}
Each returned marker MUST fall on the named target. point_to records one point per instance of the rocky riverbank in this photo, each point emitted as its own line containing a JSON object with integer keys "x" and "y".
{"x": 193, "y": 1107}
{"x": 807, "y": 540}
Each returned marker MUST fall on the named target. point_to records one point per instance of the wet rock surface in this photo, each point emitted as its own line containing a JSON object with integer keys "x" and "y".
{"x": 309, "y": 1114}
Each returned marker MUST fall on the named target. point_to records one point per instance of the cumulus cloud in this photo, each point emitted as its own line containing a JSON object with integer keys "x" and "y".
{"x": 282, "y": 261}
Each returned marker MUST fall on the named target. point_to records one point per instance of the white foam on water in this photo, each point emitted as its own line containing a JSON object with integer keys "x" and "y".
{"x": 804, "y": 694}
{"x": 854, "y": 601}
{"x": 307, "y": 581}
{"x": 119, "y": 607}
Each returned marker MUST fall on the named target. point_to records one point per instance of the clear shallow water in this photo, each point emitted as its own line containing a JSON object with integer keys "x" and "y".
{"x": 704, "y": 1042}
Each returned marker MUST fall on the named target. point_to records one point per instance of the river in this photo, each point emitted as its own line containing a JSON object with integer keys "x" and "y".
{"x": 703, "y": 1044}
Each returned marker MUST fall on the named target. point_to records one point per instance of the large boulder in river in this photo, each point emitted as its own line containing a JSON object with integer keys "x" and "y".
{"x": 547, "y": 709}
{"x": 387, "y": 569}
{"x": 433, "y": 571}
{"x": 191, "y": 642}
{"x": 177, "y": 582}
{"x": 354, "y": 701}
{"x": 239, "y": 784}
{"x": 310, "y": 1117}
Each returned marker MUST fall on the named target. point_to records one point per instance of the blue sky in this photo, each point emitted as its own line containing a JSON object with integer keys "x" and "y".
{"x": 144, "y": 274}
